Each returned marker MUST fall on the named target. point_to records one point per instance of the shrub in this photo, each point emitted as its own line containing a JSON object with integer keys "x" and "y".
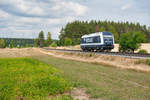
{"x": 142, "y": 51}
{"x": 2, "y": 43}
{"x": 68, "y": 42}
{"x": 129, "y": 42}
{"x": 148, "y": 61}
{"x": 91, "y": 55}
{"x": 53, "y": 44}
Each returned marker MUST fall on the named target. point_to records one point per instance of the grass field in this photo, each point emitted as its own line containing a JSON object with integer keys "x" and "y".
{"x": 29, "y": 79}
{"x": 106, "y": 83}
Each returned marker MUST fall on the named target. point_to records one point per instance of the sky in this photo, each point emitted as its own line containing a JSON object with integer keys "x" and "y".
{"x": 26, "y": 18}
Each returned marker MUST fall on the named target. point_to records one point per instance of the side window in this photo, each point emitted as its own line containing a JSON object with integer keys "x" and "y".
{"x": 97, "y": 39}
{"x": 82, "y": 40}
{"x": 89, "y": 40}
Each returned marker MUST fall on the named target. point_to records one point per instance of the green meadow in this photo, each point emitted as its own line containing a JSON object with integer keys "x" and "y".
{"x": 30, "y": 79}
{"x": 48, "y": 78}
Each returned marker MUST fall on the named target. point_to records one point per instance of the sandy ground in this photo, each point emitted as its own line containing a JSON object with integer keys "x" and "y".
{"x": 145, "y": 46}
{"x": 16, "y": 52}
{"x": 79, "y": 94}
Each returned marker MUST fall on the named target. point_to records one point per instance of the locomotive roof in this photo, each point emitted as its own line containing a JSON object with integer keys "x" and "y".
{"x": 97, "y": 34}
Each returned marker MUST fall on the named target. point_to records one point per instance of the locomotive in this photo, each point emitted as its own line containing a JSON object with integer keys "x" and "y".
{"x": 99, "y": 41}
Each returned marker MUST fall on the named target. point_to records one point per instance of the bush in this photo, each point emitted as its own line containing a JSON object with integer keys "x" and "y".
{"x": 142, "y": 51}
{"x": 2, "y": 43}
{"x": 129, "y": 42}
{"x": 53, "y": 44}
{"x": 148, "y": 61}
{"x": 68, "y": 42}
{"x": 91, "y": 55}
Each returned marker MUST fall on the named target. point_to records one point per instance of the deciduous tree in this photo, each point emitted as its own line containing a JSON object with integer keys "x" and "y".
{"x": 131, "y": 41}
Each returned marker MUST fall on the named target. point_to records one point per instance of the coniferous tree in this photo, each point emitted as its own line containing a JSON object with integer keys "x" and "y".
{"x": 112, "y": 29}
{"x": 49, "y": 39}
{"x": 102, "y": 29}
{"x": 76, "y": 29}
{"x": 41, "y": 39}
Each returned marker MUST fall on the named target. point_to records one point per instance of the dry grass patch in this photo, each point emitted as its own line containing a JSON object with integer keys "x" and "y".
{"x": 18, "y": 52}
{"x": 120, "y": 62}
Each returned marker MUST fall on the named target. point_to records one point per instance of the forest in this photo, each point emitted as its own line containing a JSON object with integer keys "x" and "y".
{"x": 16, "y": 42}
{"x": 74, "y": 30}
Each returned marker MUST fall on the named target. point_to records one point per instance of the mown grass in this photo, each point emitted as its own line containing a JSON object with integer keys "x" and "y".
{"x": 29, "y": 79}
{"x": 107, "y": 83}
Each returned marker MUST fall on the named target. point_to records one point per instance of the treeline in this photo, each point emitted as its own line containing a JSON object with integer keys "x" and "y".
{"x": 15, "y": 42}
{"x": 42, "y": 42}
{"x": 74, "y": 30}
{"x": 21, "y": 43}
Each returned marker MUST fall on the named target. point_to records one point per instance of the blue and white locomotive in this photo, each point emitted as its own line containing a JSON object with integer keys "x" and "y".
{"x": 100, "y": 41}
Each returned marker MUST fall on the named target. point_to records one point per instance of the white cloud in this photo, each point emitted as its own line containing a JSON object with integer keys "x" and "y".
{"x": 70, "y": 8}
{"x": 41, "y": 8}
{"x": 29, "y": 27}
{"x": 125, "y": 7}
{"x": 3, "y": 14}
{"x": 26, "y": 18}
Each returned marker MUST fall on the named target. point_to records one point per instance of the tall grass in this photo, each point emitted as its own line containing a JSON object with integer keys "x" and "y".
{"x": 26, "y": 78}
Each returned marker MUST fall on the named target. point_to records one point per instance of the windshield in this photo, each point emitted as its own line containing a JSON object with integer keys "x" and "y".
{"x": 108, "y": 40}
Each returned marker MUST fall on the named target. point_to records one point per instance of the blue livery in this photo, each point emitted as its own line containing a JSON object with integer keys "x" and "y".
{"x": 99, "y": 41}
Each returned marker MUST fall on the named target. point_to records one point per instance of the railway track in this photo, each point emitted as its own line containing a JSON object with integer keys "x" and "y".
{"x": 127, "y": 55}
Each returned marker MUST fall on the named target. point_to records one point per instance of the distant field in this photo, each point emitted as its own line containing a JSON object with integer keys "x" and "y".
{"x": 29, "y": 79}
{"x": 106, "y": 83}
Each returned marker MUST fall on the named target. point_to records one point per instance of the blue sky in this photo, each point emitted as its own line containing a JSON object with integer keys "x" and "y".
{"x": 25, "y": 18}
